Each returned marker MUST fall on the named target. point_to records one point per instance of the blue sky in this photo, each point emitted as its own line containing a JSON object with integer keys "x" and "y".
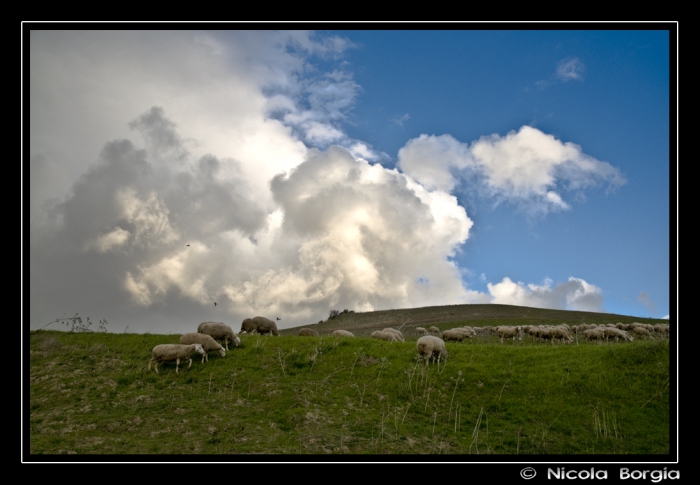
{"x": 311, "y": 171}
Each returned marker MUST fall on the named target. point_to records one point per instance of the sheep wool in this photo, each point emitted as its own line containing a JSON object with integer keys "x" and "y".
{"x": 219, "y": 331}
{"x": 388, "y": 336}
{"x": 342, "y": 333}
{"x": 174, "y": 352}
{"x": 308, "y": 332}
{"x": 430, "y": 346}
{"x": 398, "y": 333}
{"x": 207, "y": 343}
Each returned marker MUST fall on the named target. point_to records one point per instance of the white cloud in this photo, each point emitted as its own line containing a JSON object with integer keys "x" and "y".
{"x": 570, "y": 68}
{"x": 527, "y": 167}
{"x": 576, "y": 294}
{"x": 211, "y": 190}
{"x": 666, "y": 317}
{"x": 431, "y": 160}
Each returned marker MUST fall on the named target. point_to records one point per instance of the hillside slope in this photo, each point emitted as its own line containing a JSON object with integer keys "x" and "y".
{"x": 443, "y": 317}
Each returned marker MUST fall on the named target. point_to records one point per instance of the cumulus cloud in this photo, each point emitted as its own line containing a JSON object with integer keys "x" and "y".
{"x": 432, "y": 160}
{"x": 169, "y": 170}
{"x": 343, "y": 233}
{"x": 526, "y": 167}
{"x": 575, "y": 294}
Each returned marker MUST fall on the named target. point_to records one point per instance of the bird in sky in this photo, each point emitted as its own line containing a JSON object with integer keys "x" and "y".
{"x": 188, "y": 244}
{"x": 214, "y": 303}
{"x": 278, "y": 318}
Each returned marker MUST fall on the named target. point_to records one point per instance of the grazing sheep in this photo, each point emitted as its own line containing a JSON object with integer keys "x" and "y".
{"x": 434, "y": 330}
{"x": 506, "y": 331}
{"x": 206, "y": 341}
{"x": 641, "y": 331}
{"x": 483, "y": 331}
{"x": 430, "y": 346}
{"x": 455, "y": 334}
{"x": 593, "y": 334}
{"x": 421, "y": 331}
{"x": 307, "y": 332}
{"x": 663, "y": 330}
{"x": 219, "y": 331}
{"x": 174, "y": 352}
{"x": 259, "y": 325}
{"x": 342, "y": 333}
{"x": 395, "y": 332}
{"x": 561, "y": 333}
{"x": 618, "y": 334}
{"x": 388, "y": 336}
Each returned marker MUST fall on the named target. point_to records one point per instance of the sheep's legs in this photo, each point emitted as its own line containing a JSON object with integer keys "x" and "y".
{"x": 177, "y": 365}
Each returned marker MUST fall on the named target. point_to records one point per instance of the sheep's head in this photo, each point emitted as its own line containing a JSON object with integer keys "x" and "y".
{"x": 236, "y": 341}
{"x": 199, "y": 349}
{"x": 222, "y": 352}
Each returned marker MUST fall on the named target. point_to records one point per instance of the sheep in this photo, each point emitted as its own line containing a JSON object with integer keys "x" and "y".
{"x": 421, "y": 331}
{"x": 388, "y": 336}
{"x": 207, "y": 343}
{"x": 342, "y": 333}
{"x": 259, "y": 325}
{"x": 219, "y": 331}
{"x": 395, "y": 332}
{"x": 639, "y": 330}
{"x": 483, "y": 331}
{"x": 307, "y": 332}
{"x": 505, "y": 331}
{"x": 593, "y": 334}
{"x": 619, "y": 334}
{"x": 174, "y": 352}
{"x": 430, "y": 346}
{"x": 470, "y": 331}
{"x": 434, "y": 330}
{"x": 455, "y": 334}
{"x": 560, "y": 333}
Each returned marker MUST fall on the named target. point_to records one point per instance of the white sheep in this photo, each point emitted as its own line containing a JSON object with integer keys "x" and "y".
{"x": 342, "y": 333}
{"x": 395, "y": 332}
{"x": 174, "y": 352}
{"x": 639, "y": 330}
{"x": 506, "y": 331}
{"x": 259, "y": 325}
{"x": 421, "y": 331}
{"x": 430, "y": 346}
{"x": 593, "y": 334}
{"x": 458, "y": 334}
{"x": 207, "y": 343}
{"x": 219, "y": 331}
{"x": 388, "y": 336}
{"x": 308, "y": 332}
{"x": 434, "y": 330}
{"x": 561, "y": 333}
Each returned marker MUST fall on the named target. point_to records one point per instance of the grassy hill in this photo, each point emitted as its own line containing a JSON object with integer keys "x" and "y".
{"x": 449, "y": 316}
{"x": 91, "y": 393}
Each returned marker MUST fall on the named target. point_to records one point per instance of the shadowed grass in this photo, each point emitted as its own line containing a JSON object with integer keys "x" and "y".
{"x": 92, "y": 393}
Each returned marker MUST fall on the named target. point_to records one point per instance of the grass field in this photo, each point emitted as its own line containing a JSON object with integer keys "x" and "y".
{"x": 91, "y": 393}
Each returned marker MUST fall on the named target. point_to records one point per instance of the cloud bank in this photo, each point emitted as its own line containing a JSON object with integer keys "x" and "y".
{"x": 222, "y": 173}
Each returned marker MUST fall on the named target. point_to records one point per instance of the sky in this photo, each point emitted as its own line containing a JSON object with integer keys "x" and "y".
{"x": 290, "y": 173}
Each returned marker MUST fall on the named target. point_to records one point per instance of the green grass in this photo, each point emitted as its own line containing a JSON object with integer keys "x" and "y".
{"x": 91, "y": 393}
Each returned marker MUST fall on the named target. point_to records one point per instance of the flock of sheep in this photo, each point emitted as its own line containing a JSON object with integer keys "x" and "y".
{"x": 202, "y": 342}
{"x": 430, "y": 344}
